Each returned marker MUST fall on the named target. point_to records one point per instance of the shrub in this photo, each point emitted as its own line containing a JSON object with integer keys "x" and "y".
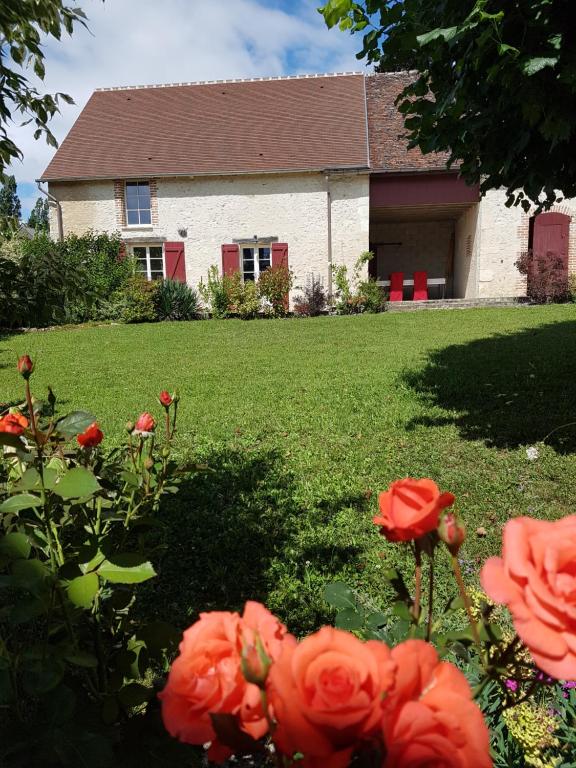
{"x": 176, "y": 301}
{"x": 243, "y": 296}
{"x": 312, "y": 301}
{"x": 46, "y": 285}
{"x": 373, "y": 296}
{"x": 547, "y": 277}
{"x": 216, "y": 293}
{"x": 274, "y": 286}
{"x": 79, "y": 537}
{"x": 354, "y": 295}
{"x": 137, "y": 300}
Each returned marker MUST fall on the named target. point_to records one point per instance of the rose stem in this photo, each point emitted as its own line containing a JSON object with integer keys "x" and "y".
{"x": 430, "y": 598}
{"x": 418, "y": 579}
{"x": 466, "y": 601}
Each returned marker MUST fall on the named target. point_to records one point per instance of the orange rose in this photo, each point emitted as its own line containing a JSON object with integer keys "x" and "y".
{"x": 429, "y": 718}
{"x": 325, "y": 696}
{"x": 206, "y": 678}
{"x": 411, "y": 508}
{"x": 536, "y": 579}
{"x": 13, "y": 423}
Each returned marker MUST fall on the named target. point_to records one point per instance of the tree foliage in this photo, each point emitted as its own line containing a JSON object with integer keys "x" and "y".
{"x": 495, "y": 85}
{"x": 23, "y": 24}
{"x": 10, "y": 208}
{"x": 38, "y": 218}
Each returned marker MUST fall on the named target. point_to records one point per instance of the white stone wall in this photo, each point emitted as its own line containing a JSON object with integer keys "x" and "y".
{"x": 466, "y": 253}
{"x": 500, "y": 244}
{"x": 217, "y": 210}
{"x": 84, "y": 206}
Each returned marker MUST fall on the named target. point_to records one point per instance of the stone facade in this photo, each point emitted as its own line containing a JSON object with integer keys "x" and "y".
{"x": 214, "y": 210}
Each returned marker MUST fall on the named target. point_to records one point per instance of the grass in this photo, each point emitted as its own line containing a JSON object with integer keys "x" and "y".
{"x": 290, "y": 428}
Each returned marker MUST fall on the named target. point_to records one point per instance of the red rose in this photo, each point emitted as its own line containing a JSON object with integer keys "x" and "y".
{"x": 13, "y": 423}
{"x": 206, "y": 678}
{"x": 429, "y": 717}
{"x": 91, "y": 437}
{"x": 411, "y": 508}
{"x": 25, "y": 366}
{"x": 145, "y": 423}
{"x": 165, "y": 399}
{"x": 325, "y": 695}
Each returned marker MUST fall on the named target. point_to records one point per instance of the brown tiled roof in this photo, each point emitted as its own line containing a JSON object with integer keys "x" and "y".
{"x": 388, "y": 151}
{"x": 251, "y": 126}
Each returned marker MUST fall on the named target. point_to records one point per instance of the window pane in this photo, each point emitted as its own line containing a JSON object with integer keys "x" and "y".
{"x": 132, "y": 217}
{"x": 249, "y": 276}
{"x": 139, "y": 252}
{"x": 131, "y": 198}
{"x": 145, "y": 217}
{"x": 144, "y": 196}
{"x": 157, "y": 275}
{"x": 155, "y": 251}
{"x": 156, "y": 265}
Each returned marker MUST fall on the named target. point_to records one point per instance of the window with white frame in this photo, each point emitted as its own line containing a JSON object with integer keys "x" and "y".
{"x": 255, "y": 259}
{"x": 138, "y": 203}
{"x": 150, "y": 261}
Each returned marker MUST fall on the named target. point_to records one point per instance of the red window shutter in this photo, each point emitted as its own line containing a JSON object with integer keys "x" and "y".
{"x": 174, "y": 261}
{"x": 280, "y": 259}
{"x": 280, "y": 254}
{"x": 230, "y": 259}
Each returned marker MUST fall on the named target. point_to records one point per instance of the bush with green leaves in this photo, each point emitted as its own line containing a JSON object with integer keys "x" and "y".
{"x": 244, "y": 297}
{"x": 274, "y": 285}
{"x": 45, "y": 287}
{"x": 79, "y": 534}
{"x": 215, "y": 293}
{"x": 135, "y": 302}
{"x": 176, "y": 301}
{"x": 355, "y": 294}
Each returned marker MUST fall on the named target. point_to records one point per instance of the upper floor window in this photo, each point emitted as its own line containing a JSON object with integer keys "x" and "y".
{"x": 255, "y": 261}
{"x": 138, "y": 203}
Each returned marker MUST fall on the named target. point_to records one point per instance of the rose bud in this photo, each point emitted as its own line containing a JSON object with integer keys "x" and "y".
{"x": 148, "y": 463}
{"x": 255, "y": 663}
{"x": 91, "y": 437}
{"x": 165, "y": 399}
{"x": 25, "y": 366}
{"x": 129, "y": 427}
{"x": 452, "y": 532}
{"x": 145, "y": 424}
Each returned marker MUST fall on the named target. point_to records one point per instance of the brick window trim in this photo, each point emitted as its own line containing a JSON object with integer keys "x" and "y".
{"x": 120, "y": 201}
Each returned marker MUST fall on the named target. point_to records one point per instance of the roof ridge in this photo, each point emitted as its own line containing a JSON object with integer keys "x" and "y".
{"x": 231, "y": 80}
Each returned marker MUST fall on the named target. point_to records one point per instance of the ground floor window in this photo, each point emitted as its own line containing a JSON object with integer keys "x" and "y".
{"x": 255, "y": 259}
{"x": 150, "y": 261}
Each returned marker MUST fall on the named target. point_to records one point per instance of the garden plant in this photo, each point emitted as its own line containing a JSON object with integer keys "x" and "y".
{"x": 80, "y": 533}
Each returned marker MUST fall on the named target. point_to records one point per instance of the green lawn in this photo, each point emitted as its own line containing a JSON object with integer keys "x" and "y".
{"x": 289, "y": 429}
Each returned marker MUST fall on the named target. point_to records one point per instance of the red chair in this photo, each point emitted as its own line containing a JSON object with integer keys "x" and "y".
{"x": 420, "y": 286}
{"x": 396, "y": 286}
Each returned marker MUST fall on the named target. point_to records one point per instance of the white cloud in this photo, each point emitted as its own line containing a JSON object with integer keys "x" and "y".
{"x": 134, "y": 42}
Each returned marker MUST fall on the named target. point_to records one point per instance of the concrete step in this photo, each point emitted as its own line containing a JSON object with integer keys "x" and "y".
{"x": 413, "y": 306}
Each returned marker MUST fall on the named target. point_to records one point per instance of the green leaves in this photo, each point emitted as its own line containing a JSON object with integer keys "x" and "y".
{"x": 77, "y": 483}
{"x": 14, "y": 545}
{"x": 339, "y": 595}
{"x": 22, "y": 501}
{"x": 82, "y": 590}
{"x": 446, "y": 34}
{"x": 75, "y": 423}
{"x": 532, "y": 66}
{"x": 126, "y": 569}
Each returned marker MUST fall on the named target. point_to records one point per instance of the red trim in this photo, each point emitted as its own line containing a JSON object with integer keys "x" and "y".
{"x": 175, "y": 261}
{"x": 421, "y": 189}
{"x": 230, "y": 259}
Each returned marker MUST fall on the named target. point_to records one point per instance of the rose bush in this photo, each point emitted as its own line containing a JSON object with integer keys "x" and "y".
{"x": 79, "y": 535}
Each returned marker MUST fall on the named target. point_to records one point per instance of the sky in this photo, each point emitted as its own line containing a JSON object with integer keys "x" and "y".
{"x": 141, "y": 42}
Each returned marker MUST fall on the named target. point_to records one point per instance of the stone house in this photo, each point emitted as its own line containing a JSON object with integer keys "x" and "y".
{"x": 309, "y": 171}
